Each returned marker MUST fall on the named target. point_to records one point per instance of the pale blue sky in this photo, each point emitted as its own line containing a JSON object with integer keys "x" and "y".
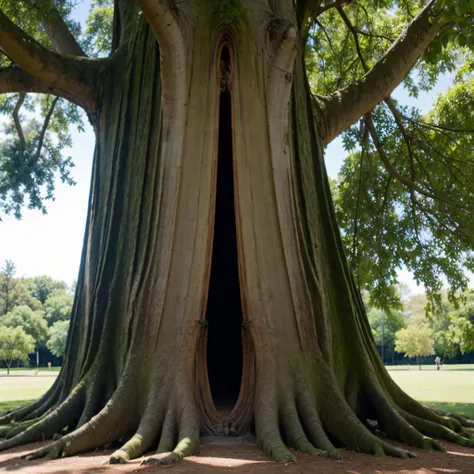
{"x": 51, "y": 244}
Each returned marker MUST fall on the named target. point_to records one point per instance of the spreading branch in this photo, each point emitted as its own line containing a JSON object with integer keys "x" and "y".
{"x": 371, "y": 34}
{"x": 313, "y": 8}
{"x": 395, "y": 174}
{"x": 45, "y": 126}
{"x": 353, "y": 31}
{"x": 16, "y": 119}
{"x": 345, "y": 106}
{"x": 57, "y": 31}
{"x": 15, "y": 80}
{"x": 74, "y": 76}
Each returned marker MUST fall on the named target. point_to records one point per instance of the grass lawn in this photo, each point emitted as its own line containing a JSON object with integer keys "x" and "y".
{"x": 23, "y": 386}
{"x": 29, "y": 370}
{"x": 449, "y": 389}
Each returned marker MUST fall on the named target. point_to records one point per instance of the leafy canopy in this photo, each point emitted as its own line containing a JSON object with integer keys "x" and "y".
{"x": 403, "y": 196}
{"x": 36, "y": 128}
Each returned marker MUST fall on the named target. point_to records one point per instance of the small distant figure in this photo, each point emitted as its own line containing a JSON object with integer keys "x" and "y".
{"x": 49, "y": 365}
{"x": 438, "y": 362}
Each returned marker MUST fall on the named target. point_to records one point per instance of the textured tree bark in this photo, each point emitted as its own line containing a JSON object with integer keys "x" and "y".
{"x": 136, "y": 365}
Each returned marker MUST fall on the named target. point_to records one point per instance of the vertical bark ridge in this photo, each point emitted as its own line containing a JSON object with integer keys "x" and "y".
{"x": 134, "y": 364}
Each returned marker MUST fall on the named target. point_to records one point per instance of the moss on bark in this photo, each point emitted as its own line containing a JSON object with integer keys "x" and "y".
{"x": 134, "y": 368}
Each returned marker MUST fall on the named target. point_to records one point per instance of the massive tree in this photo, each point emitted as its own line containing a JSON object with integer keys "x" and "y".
{"x": 214, "y": 294}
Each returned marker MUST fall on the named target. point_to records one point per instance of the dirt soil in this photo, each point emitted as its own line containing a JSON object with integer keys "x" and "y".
{"x": 242, "y": 458}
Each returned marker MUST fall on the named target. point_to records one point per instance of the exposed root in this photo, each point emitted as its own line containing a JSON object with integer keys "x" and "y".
{"x": 33, "y": 410}
{"x": 395, "y": 425}
{"x": 52, "y": 423}
{"x": 187, "y": 437}
{"x": 11, "y": 430}
{"x": 177, "y": 432}
{"x": 284, "y": 419}
{"x": 341, "y": 422}
{"x": 142, "y": 440}
{"x": 295, "y": 434}
{"x": 433, "y": 429}
{"x": 313, "y": 427}
{"x": 108, "y": 426}
{"x": 268, "y": 433}
{"x": 465, "y": 422}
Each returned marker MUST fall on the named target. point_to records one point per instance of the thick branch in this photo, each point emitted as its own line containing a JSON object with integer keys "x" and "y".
{"x": 313, "y": 8}
{"x": 16, "y": 119}
{"x": 73, "y": 75}
{"x": 163, "y": 18}
{"x": 13, "y": 79}
{"x": 58, "y": 32}
{"x": 345, "y": 106}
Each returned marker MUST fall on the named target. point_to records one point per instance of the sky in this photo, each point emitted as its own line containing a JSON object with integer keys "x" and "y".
{"x": 51, "y": 244}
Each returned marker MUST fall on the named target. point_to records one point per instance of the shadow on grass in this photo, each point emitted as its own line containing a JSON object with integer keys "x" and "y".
{"x": 465, "y": 409}
{"x": 12, "y": 404}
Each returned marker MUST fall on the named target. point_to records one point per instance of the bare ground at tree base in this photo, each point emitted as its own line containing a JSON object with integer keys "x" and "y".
{"x": 248, "y": 459}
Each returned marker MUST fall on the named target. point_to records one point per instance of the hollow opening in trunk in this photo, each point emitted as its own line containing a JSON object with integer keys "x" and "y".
{"x": 224, "y": 308}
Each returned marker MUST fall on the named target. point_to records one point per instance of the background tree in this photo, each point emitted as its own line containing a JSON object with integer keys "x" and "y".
{"x": 178, "y": 106}
{"x": 455, "y": 324}
{"x": 415, "y": 341}
{"x": 42, "y": 286}
{"x": 57, "y": 338}
{"x": 7, "y": 276}
{"x": 449, "y": 321}
{"x": 386, "y": 323}
{"x": 14, "y": 291}
{"x": 32, "y": 322}
{"x": 58, "y": 306}
{"x": 15, "y": 344}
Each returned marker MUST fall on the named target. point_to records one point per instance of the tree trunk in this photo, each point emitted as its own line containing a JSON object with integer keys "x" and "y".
{"x": 186, "y": 282}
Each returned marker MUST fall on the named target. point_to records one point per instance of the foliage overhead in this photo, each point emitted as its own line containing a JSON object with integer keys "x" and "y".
{"x": 403, "y": 196}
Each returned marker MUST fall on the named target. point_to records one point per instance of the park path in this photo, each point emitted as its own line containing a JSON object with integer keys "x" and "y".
{"x": 247, "y": 459}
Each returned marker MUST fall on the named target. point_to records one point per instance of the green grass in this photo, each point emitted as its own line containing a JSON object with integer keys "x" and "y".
{"x": 448, "y": 389}
{"x": 13, "y": 404}
{"x": 429, "y": 367}
{"x": 21, "y": 387}
{"x": 465, "y": 409}
{"x": 29, "y": 370}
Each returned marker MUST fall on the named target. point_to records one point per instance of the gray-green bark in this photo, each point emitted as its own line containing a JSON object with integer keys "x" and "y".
{"x": 134, "y": 367}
